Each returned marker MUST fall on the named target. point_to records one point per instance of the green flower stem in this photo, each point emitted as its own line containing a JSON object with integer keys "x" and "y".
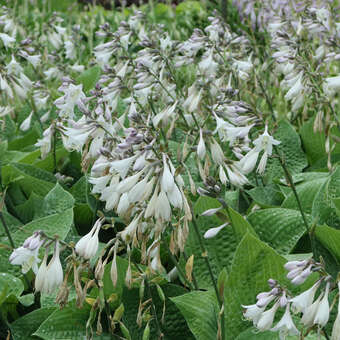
{"x": 206, "y": 259}
{"x": 55, "y": 151}
{"x": 147, "y": 286}
{"x": 224, "y": 9}
{"x": 310, "y": 231}
{"x": 325, "y": 334}
{"x": 268, "y": 100}
{"x": 35, "y": 112}
{"x": 7, "y": 230}
{"x": 291, "y": 184}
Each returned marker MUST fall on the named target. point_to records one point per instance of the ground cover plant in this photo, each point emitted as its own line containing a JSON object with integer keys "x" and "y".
{"x": 170, "y": 172}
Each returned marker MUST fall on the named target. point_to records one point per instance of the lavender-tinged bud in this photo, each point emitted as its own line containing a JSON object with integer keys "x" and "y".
{"x": 272, "y": 283}
{"x": 275, "y": 291}
{"x": 33, "y": 242}
{"x": 263, "y": 302}
{"x": 262, "y": 295}
{"x": 293, "y": 264}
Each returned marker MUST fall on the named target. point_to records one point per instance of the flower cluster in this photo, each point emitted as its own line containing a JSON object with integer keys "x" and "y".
{"x": 49, "y": 275}
{"x": 314, "y": 312}
{"x": 263, "y": 319}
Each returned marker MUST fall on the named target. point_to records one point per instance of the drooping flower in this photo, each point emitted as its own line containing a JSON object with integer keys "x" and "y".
{"x": 263, "y": 143}
{"x": 310, "y": 312}
{"x": 322, "y": 314}
{"x": 7, "y": 39}
{"x": 253, "y": 313}
{"x": 201, "y": 149}
{"x": 45, "y": 143}
{"x": 305, "y": 299}
{"x": 336, "y": 325}
{"x": 50, "y": 277}
{"x": 331, "y": 85}
{"x": 25, "y": 125}
{"x": 87, "y": 246}
{"x": 266, "y": 320}
{"x": 286, "y": 325}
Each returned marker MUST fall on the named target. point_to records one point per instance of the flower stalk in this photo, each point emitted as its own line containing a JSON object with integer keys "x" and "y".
{"x": 211, "y": 274}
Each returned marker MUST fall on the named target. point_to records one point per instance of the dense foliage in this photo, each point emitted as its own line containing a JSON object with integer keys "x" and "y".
{"x": 164, "y": 167}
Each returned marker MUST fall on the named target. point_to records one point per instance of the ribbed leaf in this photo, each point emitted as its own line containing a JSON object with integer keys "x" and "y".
{"x": 280, "y": 228}
{"x": 220, "y": 248}
{"x": 200, "y": 310}
{"x": 254, "y": 263}
{"x": 290, "y": 149}
{"x": 24, "y": 327}
{"x": 66, "y": 323}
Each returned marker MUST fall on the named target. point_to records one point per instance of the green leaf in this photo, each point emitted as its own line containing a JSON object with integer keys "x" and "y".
{"x": 23, "y": 142}
{"x": 254, "y": 263}
{"x": 8, "y": 128}
{"x": 80, "y": 190}
{"x": 191, "y": 8}
{"x": 48, "y": 163}
{"x": 10, "y": 285}
{"x": 174, "y": 326}
{"x": 280, "y": 228}
{"x": 330, "y": 239}
{"x": 26, "y": 300}
{"x": 24, "y": 327}
{"x": 83, "y": 216}
{"x": 59, "y": 205}
{"x": 290, "y": 149}
{"x": 30, "y": 178}
{"x": 307, "y": 191}
{"x": 49, "y": 300}
{"x": 200, "y": 310}
{"x": 323, "y": 206}
{"x": 240, "y": 225}
{"x": 314, "y": 142}
{"x": 11, "y": 222}
{"x": 267, "y": 196}
{"x": 89, "y": 78}
{"x": 56, "y": 201}
{"x": 109, "y": 289}
{"x": 66, "y": 323}
{"x": 220, "y": 248}
{"x": 55, "y": 224}
{"x": 27, "y": 210}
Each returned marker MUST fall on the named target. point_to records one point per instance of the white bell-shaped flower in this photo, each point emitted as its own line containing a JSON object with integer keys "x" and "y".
{"x": 87, "y": 246}
{"x": 253, "y": 313}
{"x": 286, "y": 325}
{"x": 305, "y": 299}
{"x": 50, "y": 277}
{"x": 336, "y": 325}
{"x": 322, "y": 314}
{"x": 266, "y": 320}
